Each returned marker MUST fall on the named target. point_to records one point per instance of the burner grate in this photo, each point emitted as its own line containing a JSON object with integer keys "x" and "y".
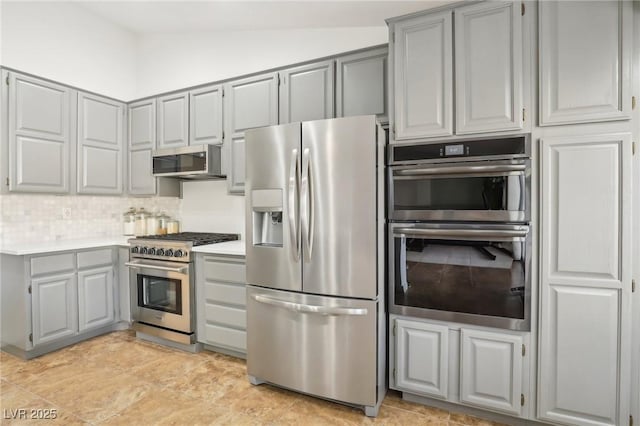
{"x": 196, "y": 238}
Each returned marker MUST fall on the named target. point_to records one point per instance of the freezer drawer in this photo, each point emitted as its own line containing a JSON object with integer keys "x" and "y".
{"x": 324, "y": 346}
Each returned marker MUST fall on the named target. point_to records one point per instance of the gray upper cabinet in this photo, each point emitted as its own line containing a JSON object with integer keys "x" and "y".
{"x": 488, "y": 67}
{"x": 205, "y": 115}
{"x": 100, "y": 145}
{"x": 423, "y": 74}
{"x": 39, "y": 135}
{"x": 142, "y": 142}
{"x": 361, "y": 84}
{"x": 576, "y": 87}
{"x": 306, "y": 92}
{"x": 173, "y": 120}
{"x": 249, "y": 103}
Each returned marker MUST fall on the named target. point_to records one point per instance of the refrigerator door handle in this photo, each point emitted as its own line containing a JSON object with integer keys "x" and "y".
{"x": 305, "y": 208}
{"x": 310, "y": 309}
{"x": 293, "y": 206}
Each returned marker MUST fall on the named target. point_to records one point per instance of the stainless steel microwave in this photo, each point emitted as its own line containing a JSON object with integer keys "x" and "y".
{"x": 189, "y": 162}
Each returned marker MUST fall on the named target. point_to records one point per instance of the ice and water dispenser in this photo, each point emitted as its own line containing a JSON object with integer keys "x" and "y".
{"x": 267, "y": 217}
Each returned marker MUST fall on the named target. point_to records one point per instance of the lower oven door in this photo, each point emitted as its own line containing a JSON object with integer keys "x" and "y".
{"x": 474, "y": 274}
{"x": 162, "y": 294}
{"x": 323, "y": 346}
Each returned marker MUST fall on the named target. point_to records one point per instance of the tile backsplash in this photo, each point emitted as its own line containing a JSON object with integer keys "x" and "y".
{"x": 32, "y": 218}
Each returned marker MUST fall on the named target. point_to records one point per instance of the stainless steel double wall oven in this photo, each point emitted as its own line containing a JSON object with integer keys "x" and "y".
{"x": 459, "y": 231}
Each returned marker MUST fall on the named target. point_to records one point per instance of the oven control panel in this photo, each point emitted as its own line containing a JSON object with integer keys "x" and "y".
{"x": 162, "y": 252}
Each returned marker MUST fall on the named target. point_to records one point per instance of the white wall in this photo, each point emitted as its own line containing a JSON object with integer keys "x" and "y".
{"x": 63, "y": 41}
{"x": 172, "y": 61}
{"x": 206, "y": 207}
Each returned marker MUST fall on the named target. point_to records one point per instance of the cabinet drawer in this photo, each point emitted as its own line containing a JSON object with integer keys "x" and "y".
{"x": 226, "y": 315}
{"x": 227, "y": 337}
{"x": 87, "y": 259}
{"x": 53, "y": 263}
{"x": 233, "y": 294}
{"x": 216, "y": 270}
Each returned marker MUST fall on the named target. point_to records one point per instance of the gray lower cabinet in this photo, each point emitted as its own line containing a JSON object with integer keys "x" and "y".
{"x": 221, "y": 302}
{"x": 249, "y": 103}
{"x": 476, "y": 366}
{"x": 173, "y": 120}
{"x": 576, "y": 87}
{"x": 96, "y": 297}
{"x": 488, "y": 67}
{"x": 54, "y": 307}
{"x": 205, "y": 115}
{"x": 55, "y": 299}
{"x": 39, "y": 134}
{"x": 361, "y": 84}
{"x": 100, "y": 145}
{"x": 306, "y": 92}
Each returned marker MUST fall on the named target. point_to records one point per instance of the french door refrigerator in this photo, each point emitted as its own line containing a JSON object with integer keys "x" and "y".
{"x": 315, "y": 258}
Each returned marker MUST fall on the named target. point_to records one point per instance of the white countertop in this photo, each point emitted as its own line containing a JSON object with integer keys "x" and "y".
{"x": 236, "y": 248}
{"x": 21, "y": 249}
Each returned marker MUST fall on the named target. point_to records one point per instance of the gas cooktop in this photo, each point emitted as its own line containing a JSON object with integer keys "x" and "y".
{"x": 195, "y": 238}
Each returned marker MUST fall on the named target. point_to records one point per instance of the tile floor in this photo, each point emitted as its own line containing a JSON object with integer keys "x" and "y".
{"x": 117, "y": 379}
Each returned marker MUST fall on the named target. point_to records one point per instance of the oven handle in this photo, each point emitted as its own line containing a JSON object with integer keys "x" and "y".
{"x": 475, "y": 234}
{"x": 137, "y": 265}
{"x": 505, "y": 168}
{"x": 310, "y": 309}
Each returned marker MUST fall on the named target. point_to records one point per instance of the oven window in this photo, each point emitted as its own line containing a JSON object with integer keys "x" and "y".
{"x": 179, "y": 163}
{"x": 160, "y": 294}
{"x": 459, "y": 193}
{"x": 474, "y": 277}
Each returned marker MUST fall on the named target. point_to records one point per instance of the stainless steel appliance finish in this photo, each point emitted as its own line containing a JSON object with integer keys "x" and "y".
{"x": 315, "y": 255}
{"x": 456, "y": 182}
{"x": 471, "y": 273}
{"x": 459, "y": 238}
{"x": 162, "y": 283}
{"x": 316, "y": 343}
{"x": 189, "y": 162}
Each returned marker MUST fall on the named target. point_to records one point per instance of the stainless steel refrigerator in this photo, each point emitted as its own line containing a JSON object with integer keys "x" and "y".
{"x": 315, "y": 258}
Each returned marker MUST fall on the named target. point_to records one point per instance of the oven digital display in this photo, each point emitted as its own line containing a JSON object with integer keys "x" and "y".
{"x": 454, "y": 150}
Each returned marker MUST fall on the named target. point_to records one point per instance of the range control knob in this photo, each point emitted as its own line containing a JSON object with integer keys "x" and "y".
{"x": 160, "y": 252}
{"x": 135, "y": 249}
{"x": 178, "y": 253}
{"x": 168, "y": 253}
{"x": 152, "y": 250}
{"x": 143, "y": 250}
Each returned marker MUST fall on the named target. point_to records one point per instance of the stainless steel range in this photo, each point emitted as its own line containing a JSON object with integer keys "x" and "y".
{"x": 162, "y": 283}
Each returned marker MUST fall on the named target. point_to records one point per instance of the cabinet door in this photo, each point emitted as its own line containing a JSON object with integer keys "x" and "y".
{"x": 491, "y": 370}
{"x": 423, "y": 74}
{"x": 361, "y": 84}
{"x": 585, "y": 61}
{"x": 39, "y": 135}
{"x": 173, "y": 120}
{"x": 95, "y": 298}
{"x": 142, "y": 141}
{"x": 584, "y": 364}
{"x": 249, "y": 103}
{"x": 54, "y": 308}
{"x": 306, "y": 92}
{"x": 422, "y": 356}
{"x": 100, "y": 145}
{"x": 205, "y": 115}
{"x": 488, "y": 46}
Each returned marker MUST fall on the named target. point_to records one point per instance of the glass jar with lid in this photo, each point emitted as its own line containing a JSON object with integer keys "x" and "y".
{"x": 163, "y": 219}
{"x": 152, "y": 224}
{"x": 129, "y": 222}
{"x": 173, "y": 226}
{"x": 141, "y": 222}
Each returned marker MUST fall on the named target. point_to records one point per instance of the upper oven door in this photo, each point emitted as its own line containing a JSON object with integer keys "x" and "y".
{"x": 477, "y": 191}
{"x": 162, "y": 294}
